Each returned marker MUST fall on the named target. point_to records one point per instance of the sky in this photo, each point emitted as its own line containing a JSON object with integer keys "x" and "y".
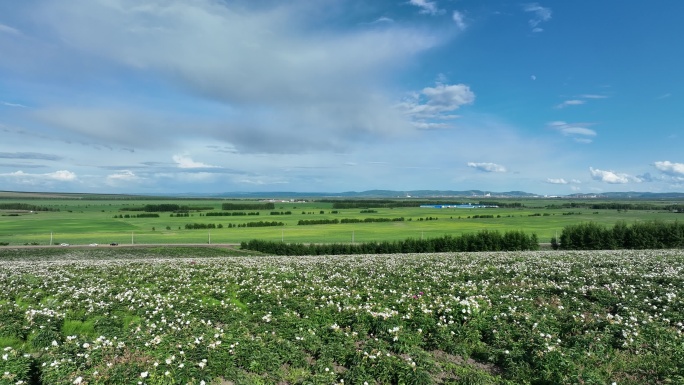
{"x": 213, "y": 96}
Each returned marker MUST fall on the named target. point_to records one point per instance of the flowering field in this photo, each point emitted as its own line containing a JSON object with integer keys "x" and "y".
{"x": 463, "y": 318}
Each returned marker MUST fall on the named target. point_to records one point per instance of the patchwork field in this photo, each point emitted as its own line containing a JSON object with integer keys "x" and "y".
{"x": 206, "y": 316}
{"x": 78, "y": 221}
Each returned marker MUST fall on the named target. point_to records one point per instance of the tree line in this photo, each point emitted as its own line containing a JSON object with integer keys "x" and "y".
{"x": 309, "y": 222}
{"x": 145, "y": 215}
{"x": 231, "y": 214}
{"x": 248, "y": 206}
{"x": 619, "y": 206}
{"x": 482, "y": 241}
{"x": 640, "y": 235}
{"x": 202, "y": 226}
{"x": 25, "y": 207}
{"x": 166, "y": 207}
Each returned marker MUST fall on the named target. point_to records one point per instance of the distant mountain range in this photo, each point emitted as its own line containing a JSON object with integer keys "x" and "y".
{"x": 369, "y": 194}
{"x": 425, "y": 194}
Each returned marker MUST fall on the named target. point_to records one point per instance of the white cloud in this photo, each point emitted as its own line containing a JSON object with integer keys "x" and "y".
{"x": 533, "y": 77}
{"x": 383, "y": 19}
{"x": 321, "y": 88}
{"x": 670, "y": 168}
{"x": 562, "y": 181}
{"x": 459, "y": 19}
{"x": 426, "y": 7}
{"x": 123, "y": 178}
{"x": 184, "y": 161}
{"x": 540, "y": 14}
{"x": 573, "y": 102}
{"x": 556, "y": 181}
{"x": 578, "y": 131}
{"x": 432, "y": 102}
{"x": 59, "y": 176}
{"x": 487, "y": 167}
{"x": 593, "y": 96}
{"x": 123, "y": 175}
{"x": 612, "y": 177}
{"x": 430, "y": 126}
{"x": 8, "y": 104}
{"x": 7, "y": 29}
{"x": 62, "y": 175}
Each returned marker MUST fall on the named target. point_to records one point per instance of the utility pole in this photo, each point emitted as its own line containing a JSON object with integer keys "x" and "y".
{"x": 132, "y": 241}
{"x": 210, "y": 237}
{"x": 50, "y": 238}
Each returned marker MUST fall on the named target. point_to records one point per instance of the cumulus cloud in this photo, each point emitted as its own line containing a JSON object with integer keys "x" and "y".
{"x": 578, "y": 131}
{"x": 562, "y": 181}
{"x": 612, "y": 177}
{"x": 487, "y": 167}
{"x": 123, "y": 175}
{"x": 426, "y": 7}
{"x": 59, "y": 176}
{"x": 184, "y": 161}
{"x": 433, "y": 102}
{"x": 459, "y": 19}
{"x": 670, "y": 168}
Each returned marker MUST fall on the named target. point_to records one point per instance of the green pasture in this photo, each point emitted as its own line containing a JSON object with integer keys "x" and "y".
{"x": 80, "y": 221}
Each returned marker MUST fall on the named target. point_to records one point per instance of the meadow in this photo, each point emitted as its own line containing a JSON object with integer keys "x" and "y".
{"x": 209, "y": 316}
{"x": 101, "y": 220}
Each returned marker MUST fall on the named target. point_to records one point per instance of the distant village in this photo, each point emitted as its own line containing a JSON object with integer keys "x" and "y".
{"x": 459, "y": 206}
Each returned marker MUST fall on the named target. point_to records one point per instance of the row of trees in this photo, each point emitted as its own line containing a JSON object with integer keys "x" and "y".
{"x": 640, "y": 235}
{"x": 481, "y": 241}
{"x": 166, "y": 207}
{"x": 248, "y": 206}
{"x": 144, "y": 215}
{"x": 231, "y": 214}
{"x": 371, "y": 220}
{"x": 25, "y": 207}
{"x": 202, "y": 226}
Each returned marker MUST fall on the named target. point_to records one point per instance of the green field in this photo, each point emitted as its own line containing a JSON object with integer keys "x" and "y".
{"x": 79, "y": 220}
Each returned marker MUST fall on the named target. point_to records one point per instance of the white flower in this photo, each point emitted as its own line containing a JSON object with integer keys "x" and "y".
{"x": 144, "y": 374}
{"x": 78, "y": 380}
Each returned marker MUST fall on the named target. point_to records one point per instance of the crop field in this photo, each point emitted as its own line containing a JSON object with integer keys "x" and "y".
{"x": 202, "y": 316}
{"x": 105, "y": 220}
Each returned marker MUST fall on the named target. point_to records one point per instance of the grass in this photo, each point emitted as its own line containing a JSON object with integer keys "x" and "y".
{"x": 82, "y": 222}
{"x": 76, "y": 327}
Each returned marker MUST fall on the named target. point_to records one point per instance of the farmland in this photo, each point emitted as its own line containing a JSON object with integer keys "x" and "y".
{"x": 102, "y": 220}
{"x": 171, "y": 315}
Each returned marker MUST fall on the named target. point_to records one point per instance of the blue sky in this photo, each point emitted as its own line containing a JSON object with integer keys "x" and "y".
{"x": 176, "y": 96}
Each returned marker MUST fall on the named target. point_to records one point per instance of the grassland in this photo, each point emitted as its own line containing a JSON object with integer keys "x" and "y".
{"x": 82, "y": 220}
